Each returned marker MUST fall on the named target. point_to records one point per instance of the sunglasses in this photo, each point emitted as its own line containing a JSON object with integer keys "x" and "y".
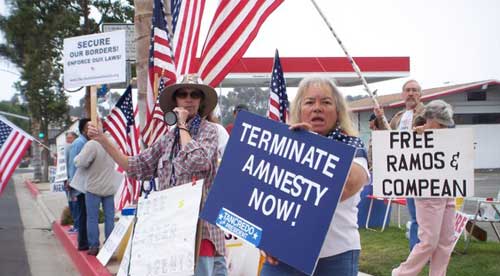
{"x": 193, "y": 95}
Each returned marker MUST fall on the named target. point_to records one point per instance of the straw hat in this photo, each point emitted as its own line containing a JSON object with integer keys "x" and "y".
{"x": 193, "y": 81}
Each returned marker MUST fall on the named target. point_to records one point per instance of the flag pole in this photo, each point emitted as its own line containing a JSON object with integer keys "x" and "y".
{"x": 353, "y": 64}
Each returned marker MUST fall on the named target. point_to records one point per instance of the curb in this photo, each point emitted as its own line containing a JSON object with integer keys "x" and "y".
{"x": 85, "y": 264}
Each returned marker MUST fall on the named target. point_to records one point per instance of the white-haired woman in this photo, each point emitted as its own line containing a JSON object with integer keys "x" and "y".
{"x": 435, "y": 216}
{"x": 319, "y": 107}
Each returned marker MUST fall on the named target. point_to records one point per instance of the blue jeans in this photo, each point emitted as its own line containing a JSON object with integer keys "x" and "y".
{"x": 73, "y": 205}
{"x": 344, "y": 264}
{"x": 81, "y": 218}
{"x": 211, "y": 266}
{"x": 410, "y": 203}
{"x": 108, "y": 205}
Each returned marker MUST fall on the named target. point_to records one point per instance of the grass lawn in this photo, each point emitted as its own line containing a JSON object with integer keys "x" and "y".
{"x": 382, "y": 251}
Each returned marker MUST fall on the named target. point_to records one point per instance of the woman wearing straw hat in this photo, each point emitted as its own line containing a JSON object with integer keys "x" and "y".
{"x": 185, "y": 152}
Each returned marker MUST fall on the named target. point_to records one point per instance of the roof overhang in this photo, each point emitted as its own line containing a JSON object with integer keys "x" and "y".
{"x": 436, "y": 93}
{"x": 256, "y": 71}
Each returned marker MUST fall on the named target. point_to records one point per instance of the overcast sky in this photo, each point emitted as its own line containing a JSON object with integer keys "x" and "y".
{"x": 448, "y": 41}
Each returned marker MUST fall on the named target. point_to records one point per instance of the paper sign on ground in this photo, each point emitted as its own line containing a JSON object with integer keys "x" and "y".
{"x": 94, "y": 59}
{"x": 114, "y": 239}
{"x": 438, "y": 163}
{"x": 165, "y": 232}
{"x": 275, "y": 185}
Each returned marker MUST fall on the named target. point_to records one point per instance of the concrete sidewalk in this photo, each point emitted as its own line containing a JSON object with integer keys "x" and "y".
{"x": 53, "y": 204}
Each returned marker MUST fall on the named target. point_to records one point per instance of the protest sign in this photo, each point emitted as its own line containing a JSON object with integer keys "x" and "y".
{"x": 437, "y": 163}
{"x": 242, "y": 259}
{"x": 278, "y": 189}
{"x": 163, "y": 242}
{"x": 114, "y": 239}
{"x": 94, "y": 59}
{"x": 461, "y": 220}
{"x": 125, "y": 264}
{"x": 61, "y": 170}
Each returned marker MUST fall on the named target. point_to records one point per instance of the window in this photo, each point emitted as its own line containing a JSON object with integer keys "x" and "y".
{"x": 477, "y": 119}
{"x": 476, "y": 96}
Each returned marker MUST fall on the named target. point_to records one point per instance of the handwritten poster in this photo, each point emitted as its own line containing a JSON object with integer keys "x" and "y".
{"x": 164, "y": 237}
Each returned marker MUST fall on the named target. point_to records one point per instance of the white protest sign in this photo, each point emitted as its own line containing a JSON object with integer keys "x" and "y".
{"x": 437, "y": 163}
{"x": 61, "y": 170}
{"x": 114, "y": 239}
{"x": 94, "y": 59}
{"x": 124, "y": 265}
{"x": 165, "y": 231}
{"x": 242, "y": 258}
{"x": 461, "y": 220}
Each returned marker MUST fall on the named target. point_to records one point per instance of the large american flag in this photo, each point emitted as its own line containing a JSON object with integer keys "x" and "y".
{"x": 186, "y": 22}
{"x": 13, "y": 144}
{"x": 120, "y": 124}
{"x": 155, "y": 127}
{"x": 278, "y": 100}
{"x": 234, "y": 27}
{"x": 161, "y": 66}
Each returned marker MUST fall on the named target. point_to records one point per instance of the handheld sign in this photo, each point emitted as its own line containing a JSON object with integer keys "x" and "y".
{"x": 278, "y": 189}
{"x": 114, "y": 239}
{"x": 94, "y": 59}
{"x": 164, "y": 237}
{"x": 61, "y": 170}
{"x": 437, "y": 163}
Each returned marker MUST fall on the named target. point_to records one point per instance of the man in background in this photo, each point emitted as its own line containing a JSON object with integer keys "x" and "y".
{"x": 237, "y": 109}
{"x": 405, "y": 120}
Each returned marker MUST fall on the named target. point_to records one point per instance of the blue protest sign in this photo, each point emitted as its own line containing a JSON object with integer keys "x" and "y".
{"x": 278, "y": 189}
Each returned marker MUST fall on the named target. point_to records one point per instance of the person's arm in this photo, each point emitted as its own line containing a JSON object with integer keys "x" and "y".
{"x": 196, "y": 155}
{"x": 86, "y": 156}
{"x": 357, "y": 178}
{"x": 379, "y": 113}
{"x": 96, "y": 134}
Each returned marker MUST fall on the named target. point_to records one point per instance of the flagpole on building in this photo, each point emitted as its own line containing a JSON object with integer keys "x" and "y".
{"x": 353, "y": 64}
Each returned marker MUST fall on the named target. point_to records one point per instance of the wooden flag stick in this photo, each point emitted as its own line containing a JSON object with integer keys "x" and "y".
{"x": 93, "y": 104}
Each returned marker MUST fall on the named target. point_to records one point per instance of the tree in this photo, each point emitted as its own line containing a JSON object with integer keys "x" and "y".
{"x": 34, "y": 34}
{"x": 255, "y": 98}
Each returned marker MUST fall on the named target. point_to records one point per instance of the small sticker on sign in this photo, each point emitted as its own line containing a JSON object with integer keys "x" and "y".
{"x": 239, "y": 227}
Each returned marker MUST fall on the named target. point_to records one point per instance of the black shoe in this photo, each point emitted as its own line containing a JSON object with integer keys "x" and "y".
{"x": 93, "y": 251}
{"x": 83, "y": 248}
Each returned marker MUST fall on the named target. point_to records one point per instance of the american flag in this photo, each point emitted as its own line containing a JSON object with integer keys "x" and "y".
{"x": 186, "y": 22}
{"x": 278, "y": 100}
{"x": 120, "y": 124}
{"x": 161, "y": 64}
{"x": 156, "y": 126}
{"x": 13, "y": 144}
{"x": 234, "y": 27}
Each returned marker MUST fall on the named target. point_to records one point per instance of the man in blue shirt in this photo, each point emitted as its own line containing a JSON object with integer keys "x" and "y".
{"x": 80, "y": 211}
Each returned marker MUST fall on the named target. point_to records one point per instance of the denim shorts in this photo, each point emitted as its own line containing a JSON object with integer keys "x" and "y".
{"x": 344, "y": 264}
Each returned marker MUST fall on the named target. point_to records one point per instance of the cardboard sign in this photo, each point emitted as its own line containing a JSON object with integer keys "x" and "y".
{"x": 278, "y": 189}
{"x": 94, "y": 59}
{"x": 114, "y": 239}
{"x": 61, "y": 170}
{"x": 437, "y": 163}
{"x": 165, "y": 232}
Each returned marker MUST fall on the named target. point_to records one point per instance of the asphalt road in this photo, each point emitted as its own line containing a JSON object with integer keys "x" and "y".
{"x": 13, "y": 256}
{"x": 27, "y": 244}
